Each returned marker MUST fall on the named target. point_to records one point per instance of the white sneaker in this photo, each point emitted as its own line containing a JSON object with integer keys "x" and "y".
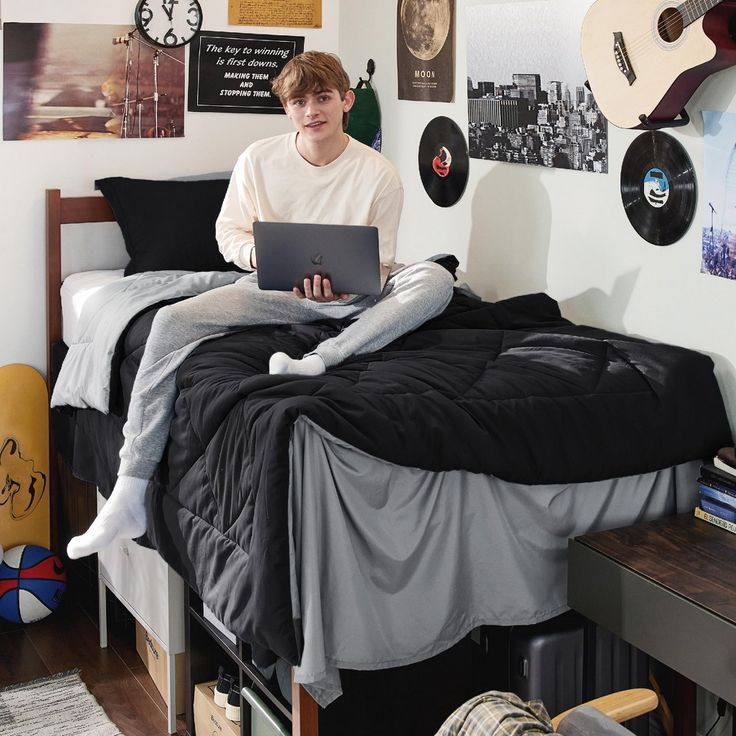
{"x": 222, "y": 689}
{"x": 232, "y": 708}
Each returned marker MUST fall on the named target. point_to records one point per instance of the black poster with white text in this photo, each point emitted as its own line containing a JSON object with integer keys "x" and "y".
{"x": 232, "y": 72}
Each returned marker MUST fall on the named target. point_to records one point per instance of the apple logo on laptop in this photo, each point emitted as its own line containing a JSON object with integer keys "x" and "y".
{"x": 317, "y": 259}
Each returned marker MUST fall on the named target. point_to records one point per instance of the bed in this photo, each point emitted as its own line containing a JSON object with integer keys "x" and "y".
{"x": 371, "y": 517}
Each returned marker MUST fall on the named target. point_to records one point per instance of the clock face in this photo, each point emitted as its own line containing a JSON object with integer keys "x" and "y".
{"x": 168, "y": 22}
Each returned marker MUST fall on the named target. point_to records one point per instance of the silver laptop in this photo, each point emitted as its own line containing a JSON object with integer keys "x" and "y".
{"x": 288, "y": 252}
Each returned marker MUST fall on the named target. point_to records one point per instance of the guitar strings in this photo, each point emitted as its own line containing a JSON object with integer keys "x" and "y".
{"x": 649, "y": 39}
{"x": 644, "y": 41}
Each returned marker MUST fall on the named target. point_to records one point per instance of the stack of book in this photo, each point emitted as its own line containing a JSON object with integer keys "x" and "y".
{"x": 717, "y": 490}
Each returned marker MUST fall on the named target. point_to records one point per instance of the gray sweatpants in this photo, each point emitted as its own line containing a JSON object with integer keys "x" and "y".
{"x": 412, "y": 295}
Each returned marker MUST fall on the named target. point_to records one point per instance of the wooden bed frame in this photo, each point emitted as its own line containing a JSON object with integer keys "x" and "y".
{"x": 94, "y": 208}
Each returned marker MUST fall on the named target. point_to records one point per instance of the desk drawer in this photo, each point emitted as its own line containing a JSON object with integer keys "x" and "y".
{"x": 679, "y": 633}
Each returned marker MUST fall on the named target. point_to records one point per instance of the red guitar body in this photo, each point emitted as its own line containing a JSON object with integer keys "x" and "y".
{"x": 716, "y": 27}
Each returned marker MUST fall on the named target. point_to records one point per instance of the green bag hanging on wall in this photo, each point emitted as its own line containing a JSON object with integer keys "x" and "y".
{"x": 364, "y": 122}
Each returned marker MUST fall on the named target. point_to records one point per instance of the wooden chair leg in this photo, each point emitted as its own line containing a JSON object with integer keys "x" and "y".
{"x": 663, "y": 709}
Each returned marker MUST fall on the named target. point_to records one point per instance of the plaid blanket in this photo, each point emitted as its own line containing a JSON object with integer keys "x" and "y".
{"x": 497, "y": 714}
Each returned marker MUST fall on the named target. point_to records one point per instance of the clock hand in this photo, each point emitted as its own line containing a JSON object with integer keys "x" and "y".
{"x": 169, "y": 11}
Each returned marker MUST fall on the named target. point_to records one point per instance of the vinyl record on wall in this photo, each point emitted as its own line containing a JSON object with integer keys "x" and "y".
{"x": 443, "y": 161}
{"x": 658, "y": 187}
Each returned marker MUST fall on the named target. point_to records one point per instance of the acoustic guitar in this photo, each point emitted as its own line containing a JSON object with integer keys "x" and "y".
{"x": 645, "y": 58}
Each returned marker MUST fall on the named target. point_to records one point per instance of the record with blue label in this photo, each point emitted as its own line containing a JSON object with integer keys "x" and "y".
{"x": 443, "y": 161}
{"x": 658, "y": 187}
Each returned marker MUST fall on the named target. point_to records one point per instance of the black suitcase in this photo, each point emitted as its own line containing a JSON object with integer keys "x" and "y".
{"x": 546, "y": 662}
{"x": 568, "y": 660}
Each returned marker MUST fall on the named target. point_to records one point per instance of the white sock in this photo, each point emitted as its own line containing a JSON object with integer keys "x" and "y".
{"x": 123, "y": 516}
{"x": 309, "y": 365}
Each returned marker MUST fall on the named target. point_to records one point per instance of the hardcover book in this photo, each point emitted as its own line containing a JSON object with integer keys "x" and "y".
{"x": 715, "y": 520}
{"x": 716, "y": 479}
{"x": 725, "y": 460}
{"x": 717, "y": 495}
{"x": 718, "y": 509}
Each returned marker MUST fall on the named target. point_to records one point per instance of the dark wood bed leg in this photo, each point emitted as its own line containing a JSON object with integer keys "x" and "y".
{"x": 304, "y": 712}
{"x": 53, "y": 275}
{"x": 53, "y": 334}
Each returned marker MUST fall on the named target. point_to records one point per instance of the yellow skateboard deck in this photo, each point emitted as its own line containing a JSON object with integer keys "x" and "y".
{"x": 24, "y": 457}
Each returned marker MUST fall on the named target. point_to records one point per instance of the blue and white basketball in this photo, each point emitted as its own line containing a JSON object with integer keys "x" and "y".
{"x": 32, "y": 583}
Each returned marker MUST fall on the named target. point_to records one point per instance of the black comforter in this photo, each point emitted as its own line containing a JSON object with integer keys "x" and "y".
{"x": 509, "y": 389}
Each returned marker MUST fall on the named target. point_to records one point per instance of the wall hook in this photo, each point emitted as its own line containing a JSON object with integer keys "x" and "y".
{"x": 370, "y": 68}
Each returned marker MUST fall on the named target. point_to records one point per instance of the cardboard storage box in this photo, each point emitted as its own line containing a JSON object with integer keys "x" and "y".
{"x": 154, "y": 656}
{"x": 209, "y": 718}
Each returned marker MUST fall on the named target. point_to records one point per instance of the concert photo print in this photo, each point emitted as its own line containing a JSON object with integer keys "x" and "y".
{"x": 719, "y": 193}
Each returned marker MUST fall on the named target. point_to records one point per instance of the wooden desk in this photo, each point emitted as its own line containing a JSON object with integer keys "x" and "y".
{"x": 669, "y": 588}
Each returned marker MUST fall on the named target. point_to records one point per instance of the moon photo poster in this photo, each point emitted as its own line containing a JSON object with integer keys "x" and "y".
{"x": 425, "y": 49}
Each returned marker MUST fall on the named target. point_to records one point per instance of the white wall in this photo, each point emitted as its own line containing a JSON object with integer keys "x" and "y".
{"x": 212, "y": 143}
{"x": 517, "y": 229}
{"x": 520, "y": 229}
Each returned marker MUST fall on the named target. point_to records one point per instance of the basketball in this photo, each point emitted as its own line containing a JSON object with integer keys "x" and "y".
{"x": 32, "y": 583}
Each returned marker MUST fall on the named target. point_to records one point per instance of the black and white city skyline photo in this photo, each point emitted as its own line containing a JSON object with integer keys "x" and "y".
{"x": 527, "y": 99}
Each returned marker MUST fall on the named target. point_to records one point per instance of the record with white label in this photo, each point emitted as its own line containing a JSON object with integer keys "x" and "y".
{"x": 658, "y": 187}
{"x": 443, "y": 161}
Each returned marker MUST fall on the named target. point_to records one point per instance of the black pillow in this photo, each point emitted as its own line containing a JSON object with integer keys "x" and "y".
{"x": 168, "y": 225}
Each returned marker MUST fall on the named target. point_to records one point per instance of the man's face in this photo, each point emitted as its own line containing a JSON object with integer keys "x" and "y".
{"x": 318, "y": 115}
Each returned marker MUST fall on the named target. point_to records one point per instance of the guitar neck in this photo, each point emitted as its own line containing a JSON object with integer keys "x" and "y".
{"x": 691, "y": 10}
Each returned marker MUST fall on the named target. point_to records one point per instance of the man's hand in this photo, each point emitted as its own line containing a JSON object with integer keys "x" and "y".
{"x": 318, "y": 289}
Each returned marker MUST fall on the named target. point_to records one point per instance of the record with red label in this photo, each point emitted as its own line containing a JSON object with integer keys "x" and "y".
{"x": 443, "y": 161}
{"x": 658, "y": 187}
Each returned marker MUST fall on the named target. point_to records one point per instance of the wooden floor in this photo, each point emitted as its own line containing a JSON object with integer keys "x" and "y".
{"x": 69, "y": 639}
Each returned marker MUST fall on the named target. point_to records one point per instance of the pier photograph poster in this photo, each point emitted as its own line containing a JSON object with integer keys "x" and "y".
{"x": 88, "y": 81}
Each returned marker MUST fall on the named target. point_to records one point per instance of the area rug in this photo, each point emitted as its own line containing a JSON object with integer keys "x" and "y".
{"x": 59, "y": 705}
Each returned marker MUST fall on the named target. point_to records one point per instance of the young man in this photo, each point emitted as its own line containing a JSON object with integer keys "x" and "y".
{"x": 315, "y": 174}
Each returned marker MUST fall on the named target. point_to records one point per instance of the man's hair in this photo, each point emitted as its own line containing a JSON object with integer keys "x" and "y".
{"x": 312, "y": 71}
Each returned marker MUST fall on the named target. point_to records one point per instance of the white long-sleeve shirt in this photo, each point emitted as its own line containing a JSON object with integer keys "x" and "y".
{"x": 272, "y": 182}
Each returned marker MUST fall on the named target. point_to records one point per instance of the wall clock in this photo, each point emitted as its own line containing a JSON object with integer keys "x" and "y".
{"x": 168, "y": 23}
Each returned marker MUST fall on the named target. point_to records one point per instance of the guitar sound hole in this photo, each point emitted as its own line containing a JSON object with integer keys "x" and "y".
{"x": 670, "y": 25}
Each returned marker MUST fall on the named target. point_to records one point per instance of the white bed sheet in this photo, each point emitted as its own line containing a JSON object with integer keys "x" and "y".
{"x": 76, "y": 289}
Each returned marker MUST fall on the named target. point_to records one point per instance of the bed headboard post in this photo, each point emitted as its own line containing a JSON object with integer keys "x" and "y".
{"x": 53, "y": 276}
{"x": 64, "y": 211}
